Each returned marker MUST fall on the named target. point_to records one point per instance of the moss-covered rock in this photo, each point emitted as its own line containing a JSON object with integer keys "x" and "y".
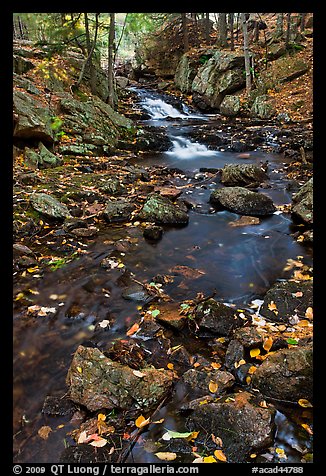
{"x": 243, "y": 175}
{"x": 242, "y": 201}
{"x": 162, "y": 211}
{"x": 302, "y": 207}
{"x": 49, "y": 206}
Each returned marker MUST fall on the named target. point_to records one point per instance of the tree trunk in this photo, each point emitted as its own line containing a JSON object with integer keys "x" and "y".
{"x": 288, "y": 29}
{"x": 279, "y": 24}
{"x": 231, "y": 19}
{"x": 222, "y": 30}
{"x": 90, "y": 50}
{"x": 246, "y": 51}
{"x": 207, "y": 28}
{"x": 111, "y": 95}
{"x": 302, "y": 21}
{"x": 185, "y": 32}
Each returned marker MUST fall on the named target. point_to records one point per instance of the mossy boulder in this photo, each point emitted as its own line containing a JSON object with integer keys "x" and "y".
{"x": 230, "y": 106}
{"x": 262, "y": 107}
{"x": 243, "y": 175}
{"x": 302, "y": 206}
{"x": 242, "y": 201}
{"x": 49, "y": 206}
{"x": 162, "y": 211}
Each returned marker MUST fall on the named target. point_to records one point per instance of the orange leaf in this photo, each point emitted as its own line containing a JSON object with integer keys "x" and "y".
{"x": 142, "y": 421}
{"x": 132, "y": 329}
{"x": 215, "y": 365}
{"x": 213, "y": 386}
{"x": 268, "y": 344}
{"x": 220, "y": 455}
{"x": 252, "y": 370}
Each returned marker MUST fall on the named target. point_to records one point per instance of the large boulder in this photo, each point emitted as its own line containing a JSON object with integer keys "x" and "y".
{"x": 286, "y": 374}
{"x": 242, "y": 201}
{"x": 243, "y": 425}
{"x": 42, "y": 158}
{"x": 222, "y": 74}
{"x": 199, "y": 381}
{"x": 118, "y": 211}
{"x": 230, "y": 106}
{"x": 49, "y": 206}
{"x": 22, "y": 65}
{"x": 243, "y": 175}
{"x": 186, "y": 71}
{"x": 97, "y": 382}
{"x": 31, "y": 119}
{"x": 287, "y": 299}
{"x": 217, "y": 318}
{"x": 302, "y": 207}
{"x": 262, "y": 107}
{"x": 162, "y": 211}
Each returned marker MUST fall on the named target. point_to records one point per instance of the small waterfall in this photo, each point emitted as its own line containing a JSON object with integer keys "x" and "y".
{"x": 185, "y": 149}
{"x": 159, "y": 109}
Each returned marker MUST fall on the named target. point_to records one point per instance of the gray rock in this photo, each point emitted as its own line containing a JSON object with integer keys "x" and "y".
{"x": 49, "y": 206}
{"x": 239, "y": 421}
{"x": 217, "y": 318}
{"x": 199, "y": 380}
{"x": 162, "y": 211}
{"x": 275, "y": 51}
{"x": 122, "y": 81}
{"x": 302, "y": 207}
{"x": 262, "y": 107}
{"x": 71, "y": 223}
{"x": 153, "y": 232}
{"x": 118, "y": 211}
{"x": 248, "y": 336}
{"x": 230, "y": 106}
{"x": 242, "y": 201}
{"x": 286, "y": 374}
{"x": 243, "y": 175}
{"x": 222, "y": 74}
{"x": 185, "y": 73}
{"x": 112, "y": 186}
{"x": 97, "y": 382}
{"x": 43, "y": 158}
{"x": 22, "y": 65}
{"x": 287, "y": 304}
{"x": 234, "y": 353}
{"x": 136, "y": 293}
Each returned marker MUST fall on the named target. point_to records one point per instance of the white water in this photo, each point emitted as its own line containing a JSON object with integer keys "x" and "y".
{"x": 185, "y": 149}
{"x": 159, "y": 109}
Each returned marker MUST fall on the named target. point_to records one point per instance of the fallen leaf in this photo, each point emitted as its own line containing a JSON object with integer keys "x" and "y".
{"x": 252, "y": 370}
{"x": 175, "y": 434}
{"x": 209, "y": 459}
{"x": 248, "y": 379}
{"x": 291, "y": 341}
{"x": 213, "y": 386}
{"x": 101, "y": 417}
{"x": 304, "y": 323}
{"x": 166, "y": 456}
{"x": 215, "y": 365}
{"x": 82, "y": 437}
{"x": 79, "y": 369}
{"x": 281, "y": 453}
{"x": 155, "y": 313}
{"x": 170, "y": 366}
{"x": 297, "y": 294}
{"x": 309, "y": 313}
{"x": 99, "y": 443}
{"x": 132, "y": 329}
{"x": 138, "y": 374}
{"x": 220, "y": 455}
{"x": 253, "y": 455}
{"x": 268, "y": 344}
{"x": 141, "y": 421}
{"x": 263, "y": 404}
{"x": 272, "y": 307}
{"x": 217, "y": 440}
{"x": 159, "y": 421}
{"x": 307, "y": 428}
{"x": 44, "y": 432}
{"x": 304, "y": 403}
{"x": 254, "y": 352}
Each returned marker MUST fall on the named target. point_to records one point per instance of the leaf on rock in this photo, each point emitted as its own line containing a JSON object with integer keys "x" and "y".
{"x": 141, "y": 421}
{"x": 133, "y": 329}
{"x": 165, "y": 456}
{"x": 155, "y": 313}
{"x": 216, "y": 365}
{"x": 307, "y": 428}
{"x": 291, "y": 341}
{"x": 82, "y": 437}
{"x": 268, "y": 344}
{"x": 213, "y": 386}
{"x": 101, "y": 417}
{"x": 254, "y": 352}
{"x": 272, "y": 307}
{"x": 209, "y": 459}
{"x": 304, "y": 403}
{"x": 309, "y": 313}
{"x": 99, "y": 443}
{"x": 175, "y": 434}
{"x": 44, "y": 432}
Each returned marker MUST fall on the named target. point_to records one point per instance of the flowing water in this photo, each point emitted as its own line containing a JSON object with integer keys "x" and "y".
{"x": 238, "y": 263}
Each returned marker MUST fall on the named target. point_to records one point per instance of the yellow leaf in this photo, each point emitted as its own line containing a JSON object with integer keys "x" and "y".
{"x": 101, "y": 417}
{"x": 60, "y": 426}
{"x": 309, "y": 313}
{"x": 268, "y": 344}
{"x": 272, "y": 307}
{"x": 19, "y": 296}
{"x": 215, "y": 365}
{"x": 170, "y": 366}
{"x": 142, "y": 421}
{"x": 253, "y": 455}
{"x": 159, "y": 421}
{"x": 220, "y": 455}
{"x": 303, "y": 323}
{"x": 32, "y": 270}
{"x": 221, "y": 339}
{"x": 307, "y": 428}
{"x": 252, "y": 370}
{"x": 254, "y": 352}
{"x": 44, "y": 432}
{"x": 209, "y": 459}
{"x": 304, "y": 403}
{"x": 80, "y": 370}
{"x": 166, "y": 456}
{"x": 263, "y": 404}
{"x": 213, "y": 386}
{"x": 282, "y": 327}
{"x": 121, "y": 265}
{"x": 248, "y": 379}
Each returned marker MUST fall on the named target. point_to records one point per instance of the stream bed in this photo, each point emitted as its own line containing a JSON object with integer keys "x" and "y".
{"x": 236, "y": 264}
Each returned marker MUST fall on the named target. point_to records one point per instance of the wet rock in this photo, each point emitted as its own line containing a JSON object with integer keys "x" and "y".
{"x": 87, "y": 454}
{"x": 118, "y": 211}
{"x": 234, "y": 353}
{"x": 102, "y": 383}
{"x": 242, "y": 201}
{"x": 262, "y": 107}
{"x": 199, "y": 381}
{"x": 26, "y": 262}
{"x": 58, "y": 406}
{"x": 302, "y": 207}
{"x": 150, "y": 139}
{"x": 180, "y": 358}
{"x": 162, "y": 211}
{"x": 241, "y": 373}
{"x": 230, "y": 106}
{"x": 246, "y": 175}
{"x": 112, "y": 186}
{"x": 286, "y": 374}
{"x": 217, "y": 318}
{"x": 283, "y": 295}
{"x": 170, "y": 316}
{"x": 136, "y": 293}
{"x": 248, "y": 336}
{"x": 85, "y": 232}
{"x": 20, "y": 250}
{"x": 153, "y": 232}
{"x": 245, "y": 221}
{"x": 127, "y": 352}
{"x": 239, "y": 421}
{"x": 168, "y": 192}
{"x": 308, "y": 237}
{"x": 122, "y": 81}
{"x": 72, "y": 223}
{"x": 49, "y": 206}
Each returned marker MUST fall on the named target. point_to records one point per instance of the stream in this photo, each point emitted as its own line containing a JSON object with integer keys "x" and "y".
{"x": 239, "y": 264}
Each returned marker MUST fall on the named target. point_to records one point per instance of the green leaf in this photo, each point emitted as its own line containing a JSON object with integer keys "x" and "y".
{"x": 155, "y": 312}
{"x": 175, "y": 434}
{"x": 291, "y": 341}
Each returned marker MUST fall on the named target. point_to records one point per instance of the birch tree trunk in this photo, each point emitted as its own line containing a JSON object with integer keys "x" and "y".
{"x": 246, "y": 51}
